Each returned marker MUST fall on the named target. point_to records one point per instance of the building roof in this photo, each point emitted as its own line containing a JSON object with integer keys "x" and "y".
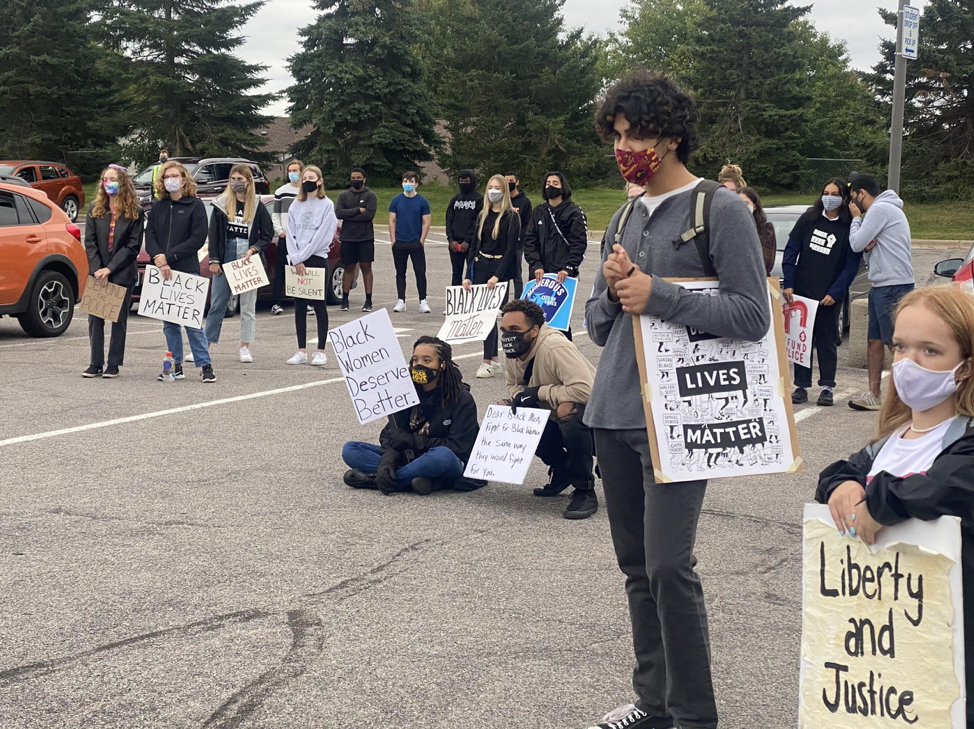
{"x": 281, "y": 137}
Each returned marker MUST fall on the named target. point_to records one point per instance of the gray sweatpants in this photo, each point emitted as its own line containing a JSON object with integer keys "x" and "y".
{"x": 653, "y": 530}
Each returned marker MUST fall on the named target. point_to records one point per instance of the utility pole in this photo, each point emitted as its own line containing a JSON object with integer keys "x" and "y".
{"x": 899, "y": 90}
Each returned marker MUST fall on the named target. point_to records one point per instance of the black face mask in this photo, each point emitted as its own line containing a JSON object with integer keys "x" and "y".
{"x": 515, "y": 344}
{"x": 422, "y": 375}
{"x": 357, "y": 184}
{"x": 309, "y": 186}
{"x": 163, "y": 160}
{"x": 512, "y": 186}
{"x": 550, "y": 192}
{"x": 466, "y": 187}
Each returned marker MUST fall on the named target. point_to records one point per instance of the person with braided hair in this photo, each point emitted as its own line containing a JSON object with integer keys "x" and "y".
{"x": 424, "y": 447}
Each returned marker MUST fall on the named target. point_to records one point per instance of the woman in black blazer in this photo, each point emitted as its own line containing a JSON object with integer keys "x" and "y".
{"x": 113, "y": 239}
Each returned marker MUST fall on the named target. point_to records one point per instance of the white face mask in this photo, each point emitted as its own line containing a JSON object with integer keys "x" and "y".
{"x": 921, "y": 389}
{"x": 495, "y": 196}
{"x": 173, "y": 184}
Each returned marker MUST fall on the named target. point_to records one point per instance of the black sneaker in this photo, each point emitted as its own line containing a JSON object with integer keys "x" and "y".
{"x": 799, "y": 396}
{"x": 583, "y": 504}
{"x": 825, "y": 399}
{"x": 367, "y": 306}
{"x": 635, "y": 719}
{"x": 177, "y": 374}
{"x": 558, "y": 481}
{"x": 359, "y": 479}
{"x": 110, "y": 372}
{"x": 344, "y": 303}
{"x": 206, "y": 374}
{"x": 92, "y": 372}
{"x": 277, "y": 309}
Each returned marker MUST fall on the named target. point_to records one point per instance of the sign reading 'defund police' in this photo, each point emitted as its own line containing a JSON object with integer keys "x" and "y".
{"x": 555, "y": 299}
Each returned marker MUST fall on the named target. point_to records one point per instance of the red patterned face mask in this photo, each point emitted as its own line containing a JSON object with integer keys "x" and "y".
{"x": 638, "y": 167}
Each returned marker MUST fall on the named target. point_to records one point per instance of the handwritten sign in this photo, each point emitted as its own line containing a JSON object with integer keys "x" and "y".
{"x": 102, "y": 300}
{"x": 373, "y": 365}
{"x": 309, "y": 286}
{"x": 882, "y": 628}
{"x": 799, "y": 324}
{"x": 180, "y": 300}
{"x": 506, "y": 444}
{"x": 244, "y": 277}
{"x": 555, "y": 299}
{"x": 471, "y": 315}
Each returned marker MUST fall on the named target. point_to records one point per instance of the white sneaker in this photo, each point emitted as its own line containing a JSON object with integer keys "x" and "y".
{"x": 485, "y": 371}
{"x": 299, "y": 358}
{"x": 311, "y": 309}
{"x": 400, "y": 306}
{"x": 319, "y": 359}
{"x": 188, "y": 358}
{"x": 424, "y": 308}
{"x": 245, "y": 356}
{"x": 497, "y": 366}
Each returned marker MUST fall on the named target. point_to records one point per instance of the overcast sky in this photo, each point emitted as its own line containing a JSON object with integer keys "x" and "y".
{"x": 272, "y": 32}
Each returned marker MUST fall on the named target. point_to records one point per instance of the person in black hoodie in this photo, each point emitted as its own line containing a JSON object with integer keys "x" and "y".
{"x": 819, "y": 264}
{"x": 491, "y": 254}
{"x": 356, "y": 209}
{"x": 427, "y": 446}
{"x": 523, "y": 205}
{"x": 461, "y": 217}
{"x": 174, "y": 234}
{"x": 557, "y": 236}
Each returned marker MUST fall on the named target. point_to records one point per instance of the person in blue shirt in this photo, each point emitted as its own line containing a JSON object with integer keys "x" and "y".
{"x": 409, "y": 224}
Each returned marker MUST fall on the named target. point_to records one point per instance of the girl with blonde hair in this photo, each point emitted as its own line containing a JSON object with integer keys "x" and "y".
{"x": 491, "y": 256}
{"x": 732, "y": 177}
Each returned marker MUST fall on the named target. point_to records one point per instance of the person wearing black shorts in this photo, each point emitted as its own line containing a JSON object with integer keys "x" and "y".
{"x": 356, "y": 209}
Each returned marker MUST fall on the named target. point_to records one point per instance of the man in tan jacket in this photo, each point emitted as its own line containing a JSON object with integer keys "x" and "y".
{"x": 544, "y": 369}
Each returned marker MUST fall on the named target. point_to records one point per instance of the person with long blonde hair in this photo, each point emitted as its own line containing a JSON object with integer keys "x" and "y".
{"x": 113, "y": 241}
{"x": 922, "y": 464}
{"x": 491, "y": 254}
{"x": 240, "y": 227}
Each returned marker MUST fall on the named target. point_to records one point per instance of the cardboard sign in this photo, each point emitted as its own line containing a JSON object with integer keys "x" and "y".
{"x": 799, "y": 325}
{"x": 506, "y": 444}
{"x": 373, "y": 365}
{"x": 555, "y": 299}
{"x": 716, "y": 407}
{"x": 471, "y": 315}
{"x": 882, "y": 627}
{"x": 244, "y": 277}
{"x": 180, "y": 300}
{"x": 102, "y": 300}
{"x": 309, "y": 286}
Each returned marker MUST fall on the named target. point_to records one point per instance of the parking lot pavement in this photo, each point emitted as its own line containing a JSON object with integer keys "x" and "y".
{"x": 180, "y": 555}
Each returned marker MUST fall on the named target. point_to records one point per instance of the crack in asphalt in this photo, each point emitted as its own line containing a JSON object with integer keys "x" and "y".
{"x": 787, "y": 526}
{"x": 60, "y": 511}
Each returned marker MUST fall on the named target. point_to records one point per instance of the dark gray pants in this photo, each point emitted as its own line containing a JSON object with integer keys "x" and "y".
{"x": 653, "y": 530}
{"x": 569, "y": 441}
{"x": 96, "y": 336}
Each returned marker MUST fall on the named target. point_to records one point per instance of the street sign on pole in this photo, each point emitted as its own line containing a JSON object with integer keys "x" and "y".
{"x": 911, "y": 32}
{"x": 899, "y": 97}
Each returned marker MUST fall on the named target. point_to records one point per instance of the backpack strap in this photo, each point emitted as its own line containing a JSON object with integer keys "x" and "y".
{"x": 957, "y": 430}
{"x": 701, "y": 200}
{"x": 623, "y": 219}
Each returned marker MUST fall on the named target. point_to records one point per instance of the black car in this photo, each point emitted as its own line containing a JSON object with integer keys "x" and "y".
{"x": 212, "y": 176}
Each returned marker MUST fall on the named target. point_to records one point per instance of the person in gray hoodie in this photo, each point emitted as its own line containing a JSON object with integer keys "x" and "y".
{"x": 653, "y": 126}
{"x": 884, "y": 234}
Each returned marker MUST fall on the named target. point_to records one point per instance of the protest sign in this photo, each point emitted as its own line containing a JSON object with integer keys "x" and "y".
{"x": 506, "y": 444}
{"x": 555, "y": 299}
{"x": 471, "y": 315}
{"x": 180, "y": 300}
{"x": 799, "y": 323}
{"x": 373, "y": 366}
{"x": 102, "y": 300}
{"x": 243, "y": 277}
{"x": 716, "y": 407}
{"x": 882, "y": 628}
{"x": 309, "y": 286}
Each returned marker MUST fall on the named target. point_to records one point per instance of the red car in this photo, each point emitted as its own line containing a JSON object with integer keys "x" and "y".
{"x": 62, "y": 186}
{"x": 336, "y": 269}
{"x": 959, "y": 270}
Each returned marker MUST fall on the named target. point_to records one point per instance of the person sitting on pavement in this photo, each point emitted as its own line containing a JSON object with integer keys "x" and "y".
{"x": 425, "y": 447}
{"x": 544, "y": 369}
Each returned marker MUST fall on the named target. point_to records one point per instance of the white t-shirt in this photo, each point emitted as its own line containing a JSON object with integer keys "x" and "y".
{"x": 900, "y": 457}
{"x": 652, "y": 203}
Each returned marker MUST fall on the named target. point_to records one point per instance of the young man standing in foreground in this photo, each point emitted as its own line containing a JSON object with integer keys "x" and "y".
{"x": 653, "y": 127}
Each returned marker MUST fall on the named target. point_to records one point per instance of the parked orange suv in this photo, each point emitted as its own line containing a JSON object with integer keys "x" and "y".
{"x": 43, "y": 266}
{"x": 60, "y": 183}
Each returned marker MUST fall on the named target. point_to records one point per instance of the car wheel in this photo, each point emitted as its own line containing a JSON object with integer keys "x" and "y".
{"x": 50, "y": 306}
{"x": 334, "y": 288}
{"x": 232, "y": 305}
{"x": 70, "y": 207}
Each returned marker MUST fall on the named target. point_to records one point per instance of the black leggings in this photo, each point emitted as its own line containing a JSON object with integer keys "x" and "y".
{"x": 483, "y": 269}
{"x": 320, "y": 307}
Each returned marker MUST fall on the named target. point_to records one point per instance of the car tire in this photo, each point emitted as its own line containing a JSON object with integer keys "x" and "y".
{"x": 232, "y": 305}
{"x": 70, "y": 207}
{"x": 333, "y": 291}
{"x": 50, "y": 307}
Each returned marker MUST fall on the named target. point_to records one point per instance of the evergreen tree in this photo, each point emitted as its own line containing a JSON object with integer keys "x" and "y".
{"x": 361, "y": 86}
{"x": 660, "y": 35}
{"x": 185, "y": 88}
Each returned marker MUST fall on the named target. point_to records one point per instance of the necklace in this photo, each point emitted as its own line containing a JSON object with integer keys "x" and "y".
{"x": 927, "y": 430}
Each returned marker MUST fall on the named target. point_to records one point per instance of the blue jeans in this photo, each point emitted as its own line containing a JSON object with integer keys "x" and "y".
{"x": 220, "y": 297}
{"x": 439, "y": 462}
{"x": 197, "y": 343}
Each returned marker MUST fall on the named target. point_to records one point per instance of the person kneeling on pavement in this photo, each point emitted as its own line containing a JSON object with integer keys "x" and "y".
{"x": 543, "y": 369}
{"x": 425, "y": 447}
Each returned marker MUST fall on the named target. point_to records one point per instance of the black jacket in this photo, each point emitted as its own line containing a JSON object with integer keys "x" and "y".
{"x": 261, "y": 229}
{"x": 177, "y": 229}
{"x": 523, "y": 205}
{"x": 505, "y": 245}
{"x": 356, "y": 226}
{"x": 461, "y": 213}
{"x": 126, "y": 247}
{"x": 556, "y": 249}
{"x": 454, "y": 426}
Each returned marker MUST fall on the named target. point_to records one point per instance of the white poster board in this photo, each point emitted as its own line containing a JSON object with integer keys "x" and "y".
{"x": 506, "y": 444}
{"x": 244, "y": 277}
{"x": 471, "y": 315}
{"x": 716, "y": 407}
{"x": 180, "y": 300}
{"x": 309, "y": 286}
{"x": 887, "y": 621}
{"x": 799, "y": 325}
{"x": 373, "y": 366}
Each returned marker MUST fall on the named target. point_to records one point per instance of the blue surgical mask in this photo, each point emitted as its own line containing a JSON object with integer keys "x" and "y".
{"x": 293, "y": 176}
{"x": 408, "y": 187}
{"x": 831, "y": 202}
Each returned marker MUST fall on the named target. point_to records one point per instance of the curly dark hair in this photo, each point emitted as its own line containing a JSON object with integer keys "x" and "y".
{"x": 532, "y": 312}
{"x": 654, "y": 105}
{"x": 451, "y": 377}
